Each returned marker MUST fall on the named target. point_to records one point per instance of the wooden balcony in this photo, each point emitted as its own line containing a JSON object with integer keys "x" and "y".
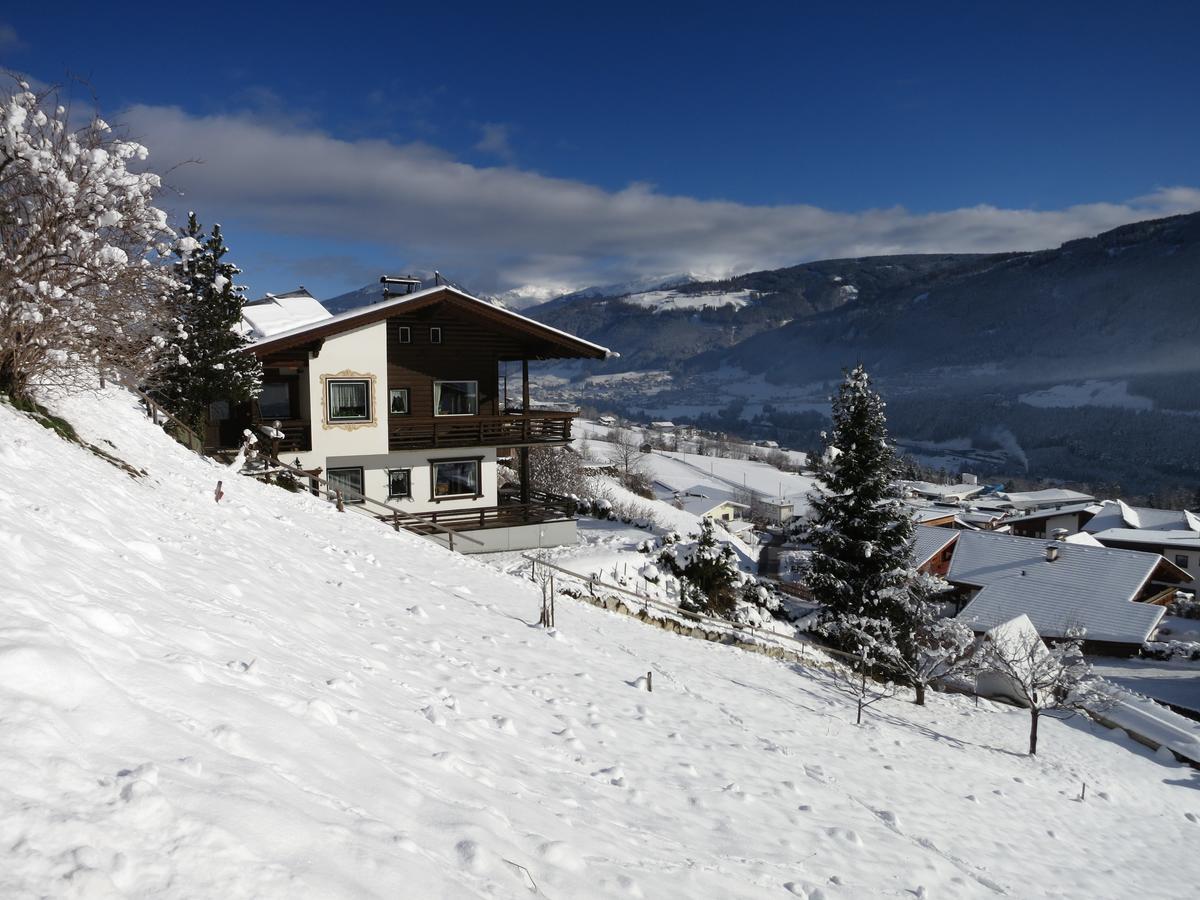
{"x": 506, "y": 515}
{"x": 514, "y": 430}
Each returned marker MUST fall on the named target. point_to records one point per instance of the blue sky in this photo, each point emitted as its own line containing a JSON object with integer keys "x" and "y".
{"x": 550, "y": 146}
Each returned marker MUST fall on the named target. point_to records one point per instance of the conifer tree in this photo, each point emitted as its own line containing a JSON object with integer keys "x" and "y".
{"x": 707, "y": 570}
{"x": 859, "y": 531}
{"x": 211, "y": 364}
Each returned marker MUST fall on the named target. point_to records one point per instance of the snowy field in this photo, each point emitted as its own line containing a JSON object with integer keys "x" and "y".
{"x": 266, "y": 698}
{"x": 672, "y": 300}
{"x": 1088, "y": 393}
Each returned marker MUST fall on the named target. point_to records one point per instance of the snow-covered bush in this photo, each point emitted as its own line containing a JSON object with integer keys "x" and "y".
{"x": 707, "y": 570}
{"x": 81, "y": 287}
{"x": 1184, "y": 606}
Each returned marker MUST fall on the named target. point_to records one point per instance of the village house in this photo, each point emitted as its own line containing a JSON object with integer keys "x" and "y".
{"x": 1113, "y": 597}
{"x": 1173, "y": 533}
{"x": 407, "y": 402}
{"x": 1046, "y": 523}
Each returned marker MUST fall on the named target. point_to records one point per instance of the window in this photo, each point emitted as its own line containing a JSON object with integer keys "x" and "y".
{"x": 455, "y": 478}
{"x": 405, "y": 334}
{"x": 1181, "y": 560}
{"x": 398, "y": 401}
{"x": 349, "y": 401}
{"x": 399, "y": 483}
{"x": 435, "y": 335}
{"x": 275, "y": 401}
{"x": 218, "y": 411}
{"x": 349, "y": 481}
{"x": 455, "y": 398}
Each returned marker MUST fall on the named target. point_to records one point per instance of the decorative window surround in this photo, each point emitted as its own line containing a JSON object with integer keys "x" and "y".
{"x": 348, "y": 425}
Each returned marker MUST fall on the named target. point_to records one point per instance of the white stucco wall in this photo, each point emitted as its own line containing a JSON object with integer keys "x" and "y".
{"x": 361, "y": 353}
{"x": 375, "y": 478}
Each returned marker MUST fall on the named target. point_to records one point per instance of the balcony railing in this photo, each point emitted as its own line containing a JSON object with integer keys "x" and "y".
{"x": 297, "y": 434}
{"x": 521, "y": 429}
{"x": 506, "y": 515}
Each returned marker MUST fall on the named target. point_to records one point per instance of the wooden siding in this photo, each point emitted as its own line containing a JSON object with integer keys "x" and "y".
{"x": 471, "y": 350}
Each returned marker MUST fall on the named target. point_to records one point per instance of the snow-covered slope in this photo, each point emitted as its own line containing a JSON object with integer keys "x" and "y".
{"x": 266, "y": 698}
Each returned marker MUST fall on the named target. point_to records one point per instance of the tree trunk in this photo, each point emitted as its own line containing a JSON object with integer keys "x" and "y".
{"x": 862, "y": 693}
{"x": 1033, "y": 724}
{"x": 920, "y": 689}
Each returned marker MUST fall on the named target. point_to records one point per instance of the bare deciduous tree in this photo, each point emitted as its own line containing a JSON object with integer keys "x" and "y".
{"x": 1042, "y": 678}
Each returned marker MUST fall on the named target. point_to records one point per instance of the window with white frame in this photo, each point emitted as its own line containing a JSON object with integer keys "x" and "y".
{"x": 399, "y": 484}
{"x": 435, "y": 335}
{"x": 349, "y": 400}
{"x": 349, "y": 481}
{"x": 398, "y": 401}
{"x": 455, "y": 398}
{"x": 455, "y": 478}
{"x": 405, "y": 334}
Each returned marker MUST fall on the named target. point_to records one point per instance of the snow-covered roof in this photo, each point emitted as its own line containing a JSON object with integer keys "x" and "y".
{"x": 366, "y": 314}
{"x": 278, "y": 313}
{"x": 943, "y": 491}
{"x": 1118, "y": 514}
{"x": 928, "y": 541}
{"x": 702, "y": 499}
{"x": 1017, "y": 636}
{"x": 1183, "y": 540}
{"x": 1054, "y": 511}
{"x": 1045, "y": 498}
{"x": 1089, "y": 587}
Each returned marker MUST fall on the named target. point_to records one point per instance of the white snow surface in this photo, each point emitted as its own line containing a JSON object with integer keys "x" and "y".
{"x": 671, "y": 300}
{"x": 265, "y": 698}
{"x": 1088, "y": 393}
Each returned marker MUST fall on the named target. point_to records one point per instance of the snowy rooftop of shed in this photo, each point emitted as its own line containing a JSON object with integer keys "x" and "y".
{"x": 1042, "y": 499}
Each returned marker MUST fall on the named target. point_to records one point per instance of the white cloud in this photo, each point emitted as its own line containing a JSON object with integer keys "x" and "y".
{"x": 496, "y": 140}
{"x": 500, "y": 228}
{"x": 9, "y": 39}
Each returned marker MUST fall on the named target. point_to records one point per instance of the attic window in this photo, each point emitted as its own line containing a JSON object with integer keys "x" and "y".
{"x": 405, "y": 334}
{"x": 435, "y": 335}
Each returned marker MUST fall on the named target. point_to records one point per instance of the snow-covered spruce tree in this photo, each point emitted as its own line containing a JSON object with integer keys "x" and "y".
{"x": 211, "y": 363}
{"x": 707, "y": 571}
{"x": 860, "y": 569}
{"x": 941, "y": 646}
{"x": 81, "y": 290}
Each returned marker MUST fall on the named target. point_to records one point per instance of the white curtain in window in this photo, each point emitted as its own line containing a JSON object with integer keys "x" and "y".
{"x": 348, "y": 400}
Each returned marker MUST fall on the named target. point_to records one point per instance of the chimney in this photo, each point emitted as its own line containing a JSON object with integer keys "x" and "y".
{"x": 1059, "y": 534}
{"x": 1051, "y": 552}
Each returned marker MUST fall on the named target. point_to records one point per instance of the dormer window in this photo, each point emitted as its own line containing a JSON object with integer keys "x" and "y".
{"x": 435, "y": 335}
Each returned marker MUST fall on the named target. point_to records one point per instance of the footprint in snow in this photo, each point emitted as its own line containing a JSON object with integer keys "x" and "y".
{"x": 847, "y": 835}
{"x": 1192, "y": 817}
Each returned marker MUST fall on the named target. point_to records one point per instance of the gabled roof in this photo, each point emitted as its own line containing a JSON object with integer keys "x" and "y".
{"x": 562, "y": 344}
{"x": 702, "y": 498}
{"x": 928, "y": 541}
{"x": 1089, "y": 587}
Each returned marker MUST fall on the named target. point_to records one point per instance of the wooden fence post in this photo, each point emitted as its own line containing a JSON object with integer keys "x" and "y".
{"x": 650, "y": 682}
{"x": 341, "y": 506}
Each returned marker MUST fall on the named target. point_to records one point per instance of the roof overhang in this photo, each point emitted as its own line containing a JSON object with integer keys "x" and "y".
{"x": 558, "y": 344}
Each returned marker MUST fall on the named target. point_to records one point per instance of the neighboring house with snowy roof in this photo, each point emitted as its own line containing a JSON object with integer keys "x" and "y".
{"x": 945, "y": 493}
{"x": 1045, "y": 499}
{"x": 276, "y": 313}
{"x": 1111, "y": 594}
{"x": 933, "y": 548}
{"x": 404, "y": 401}
{"x": 709, "y": 502}
{"x": 1173, "y": 533}
{"x": 1043, "y": 523}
